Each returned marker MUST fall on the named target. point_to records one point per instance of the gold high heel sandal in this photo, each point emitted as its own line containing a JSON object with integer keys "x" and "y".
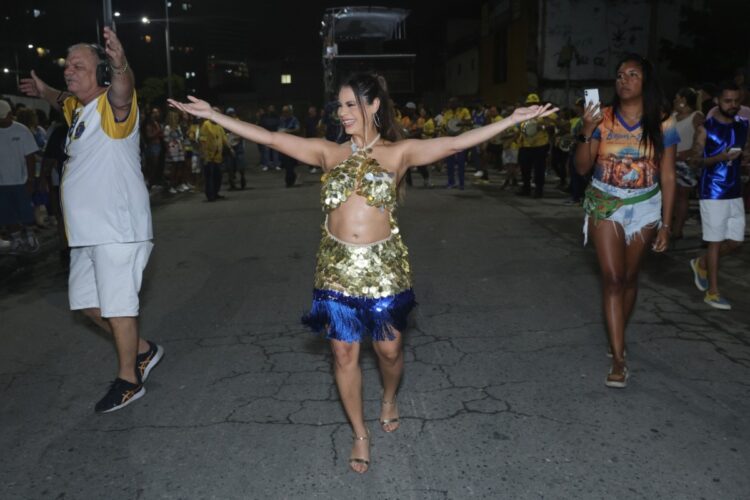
{"x": 357, "y": 460}
{"x": 386, "y": 421}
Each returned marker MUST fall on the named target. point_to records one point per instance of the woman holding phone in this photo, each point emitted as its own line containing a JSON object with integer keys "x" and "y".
{"x": 631, "y": 148}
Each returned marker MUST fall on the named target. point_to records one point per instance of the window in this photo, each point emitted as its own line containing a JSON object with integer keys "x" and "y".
{"x": 286, "y": 79}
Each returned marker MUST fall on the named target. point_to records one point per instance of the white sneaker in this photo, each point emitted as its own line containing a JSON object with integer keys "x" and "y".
{"x": 264, "y": 168}
{"x": 277, "y": 168}
{"x": 172, "y": 190}
{"x": 4, "y": 245}
{"x": 479, "y": 173}
{"x": 313, "y": 170}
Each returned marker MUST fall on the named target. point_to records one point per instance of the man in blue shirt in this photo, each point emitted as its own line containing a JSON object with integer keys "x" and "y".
{"x": 721, "y": 149}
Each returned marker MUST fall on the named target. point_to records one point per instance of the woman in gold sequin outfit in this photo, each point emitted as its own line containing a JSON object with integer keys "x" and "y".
{"x": 363, "y": 279}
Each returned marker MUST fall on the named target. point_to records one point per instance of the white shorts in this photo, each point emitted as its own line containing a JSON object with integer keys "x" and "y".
{"x": 723, "y": 219}
{"x": 632, "y": 218}
{"x": 510, "y": 156}
{"x": 108, "y": 277}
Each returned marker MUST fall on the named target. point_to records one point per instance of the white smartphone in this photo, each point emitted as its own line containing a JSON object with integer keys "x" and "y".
{"x": 591, "y": 96}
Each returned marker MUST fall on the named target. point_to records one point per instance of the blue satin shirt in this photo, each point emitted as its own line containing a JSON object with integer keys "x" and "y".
{"x": 722, "y": 181}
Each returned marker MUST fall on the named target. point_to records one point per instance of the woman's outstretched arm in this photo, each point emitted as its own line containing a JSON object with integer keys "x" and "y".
{"x": 309, "y": 151}
{"x": 426, "y": 151}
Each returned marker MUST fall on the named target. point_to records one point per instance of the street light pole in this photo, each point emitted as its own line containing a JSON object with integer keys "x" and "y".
{"x": 169, "y": 55}
{"x": 18, "y": 69}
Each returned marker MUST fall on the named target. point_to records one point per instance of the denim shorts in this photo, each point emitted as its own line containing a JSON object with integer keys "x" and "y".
{"x": 632, "y": 218}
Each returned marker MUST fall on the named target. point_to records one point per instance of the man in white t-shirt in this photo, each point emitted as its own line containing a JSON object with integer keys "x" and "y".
{"x": 105, "y": 204}
{"x": 17, "y": 162}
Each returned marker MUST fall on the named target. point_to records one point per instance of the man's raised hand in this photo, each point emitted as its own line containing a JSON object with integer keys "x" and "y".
{"x": 114, "y": 50}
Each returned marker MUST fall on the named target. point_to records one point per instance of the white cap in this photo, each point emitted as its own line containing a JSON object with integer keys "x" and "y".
{"x": 411, "y": 105}
{"x": 4, "y": 109}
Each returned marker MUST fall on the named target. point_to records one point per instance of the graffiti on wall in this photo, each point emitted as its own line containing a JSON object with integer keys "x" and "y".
{"x": 586, "y": 37}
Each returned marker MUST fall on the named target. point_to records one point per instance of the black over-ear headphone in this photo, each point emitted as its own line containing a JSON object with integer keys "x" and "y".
{"x": 103, "y": 76}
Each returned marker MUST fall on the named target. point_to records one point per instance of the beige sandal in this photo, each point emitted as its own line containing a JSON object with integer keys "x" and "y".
{"x": 386, "y": 421}
{"x": 356, "y": 460}
{"x": 617, "y": 380}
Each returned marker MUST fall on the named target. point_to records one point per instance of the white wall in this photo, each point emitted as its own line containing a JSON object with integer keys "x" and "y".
{"x": 600, "y": 32}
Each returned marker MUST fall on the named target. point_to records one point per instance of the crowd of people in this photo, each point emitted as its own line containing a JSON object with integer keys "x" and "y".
{"x": 624, "y": 161}
{"x": 32, "y": 143}
{"x": 183, "y": 154}
{"x": 632, "y": 166}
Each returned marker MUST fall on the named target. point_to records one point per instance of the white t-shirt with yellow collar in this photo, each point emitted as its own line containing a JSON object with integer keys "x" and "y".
{"x": 103, "y": 194}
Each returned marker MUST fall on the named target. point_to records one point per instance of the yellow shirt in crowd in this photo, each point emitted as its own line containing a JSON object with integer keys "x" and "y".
{"x": 212, "y": 139}
{"x": 462, "y": 114}
{"x": 541, "y": 137}
{"x": 427, "y": 126}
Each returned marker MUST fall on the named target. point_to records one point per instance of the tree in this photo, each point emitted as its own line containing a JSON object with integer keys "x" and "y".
{"x": 154, "y": 90}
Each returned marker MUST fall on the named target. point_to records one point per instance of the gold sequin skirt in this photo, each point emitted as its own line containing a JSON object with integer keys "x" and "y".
{"x": 361, "y": 291}
{"x": 371, "y": 270}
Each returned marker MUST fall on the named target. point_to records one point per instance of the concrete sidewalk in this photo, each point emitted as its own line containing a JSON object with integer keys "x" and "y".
{"x": 503, "y": 395}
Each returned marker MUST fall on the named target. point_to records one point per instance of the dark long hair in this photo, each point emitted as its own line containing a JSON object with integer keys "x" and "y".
{"x": 691, "y": 96}
{"x": 653, "y": 106}
{"x": 367, "y": 87}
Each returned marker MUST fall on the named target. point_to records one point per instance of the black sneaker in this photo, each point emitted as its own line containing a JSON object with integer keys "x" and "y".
{"x": 120, "y": 394}
{"x": 146, "y": 362}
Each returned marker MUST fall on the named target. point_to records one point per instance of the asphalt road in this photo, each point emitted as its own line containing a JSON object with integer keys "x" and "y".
{"x": 503, "y": 395}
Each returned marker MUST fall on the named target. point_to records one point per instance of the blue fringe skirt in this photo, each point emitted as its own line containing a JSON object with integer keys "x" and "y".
{"x": 361, "y": 291}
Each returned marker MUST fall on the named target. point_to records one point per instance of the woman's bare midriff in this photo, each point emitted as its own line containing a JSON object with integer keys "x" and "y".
{"x": 354, "y": 221}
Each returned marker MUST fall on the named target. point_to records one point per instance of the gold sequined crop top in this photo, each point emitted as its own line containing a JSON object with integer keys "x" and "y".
{"x": 362, "y": 175}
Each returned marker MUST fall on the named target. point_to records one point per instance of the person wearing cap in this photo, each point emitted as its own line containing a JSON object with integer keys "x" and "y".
{"x": 106, "y": 205}
{"x": 532, "y": 155}
{"x": 456, "y": 119}
{"x": 236, "y": 162}
{"x": 17, "y": 168}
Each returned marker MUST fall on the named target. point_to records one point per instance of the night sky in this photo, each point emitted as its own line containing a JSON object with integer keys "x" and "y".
{"x": 256, "y": 30}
